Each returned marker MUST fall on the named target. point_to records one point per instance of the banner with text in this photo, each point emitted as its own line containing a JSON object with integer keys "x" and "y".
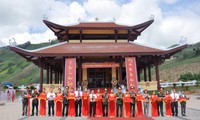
{"x": 131, "y": 72}
{"x": 70, "y": 72}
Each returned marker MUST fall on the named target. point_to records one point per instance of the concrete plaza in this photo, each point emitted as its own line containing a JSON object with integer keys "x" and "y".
{"x": 12, "y": 111}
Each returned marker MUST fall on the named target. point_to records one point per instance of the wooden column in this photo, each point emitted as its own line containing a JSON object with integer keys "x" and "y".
{"x": 80, "y": 71}
{"x": 138, "y": 74}
{"x": 149, "y": 71}
{"x": 116, "y": 34}
{"x": 41, "y": 74}
{"x": 63, "y": 69}
{"x": 51, "y": 76}
{"x": 55, "y": 73}
{"x": 81, "y": 36}
{"x": 120, "y": 69}
{"x": 145, "y": 74}
{"x": 47, "y": 75}
{"x": 157, "y": 75}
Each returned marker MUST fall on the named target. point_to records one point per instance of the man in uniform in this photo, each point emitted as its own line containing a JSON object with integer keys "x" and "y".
{"x": 35, "y": 101}
{"x": 25, "y": 102}
{"x": 133, "y": 100}
{"x": 105, "y": 103}
{"x": 65, "y": 102}
{"x": 119, "y": 103}
{"x": 161, "y": 95}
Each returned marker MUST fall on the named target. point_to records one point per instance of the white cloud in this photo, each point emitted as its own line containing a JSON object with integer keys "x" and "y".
{"x": 169, "y": 1}
{"x": 19, "y": 16}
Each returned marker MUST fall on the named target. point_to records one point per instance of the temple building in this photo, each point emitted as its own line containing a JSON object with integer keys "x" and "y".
{"x": 96, "y": 54}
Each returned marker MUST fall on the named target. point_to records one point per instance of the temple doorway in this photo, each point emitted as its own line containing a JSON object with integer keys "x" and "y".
{"x": 99, "y": 77}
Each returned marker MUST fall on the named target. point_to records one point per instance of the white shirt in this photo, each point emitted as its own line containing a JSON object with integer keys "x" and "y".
{"x": 78, "y": 96}
{"x": 175, "y": 96}
{"x": 93, "y": 97}
{"x": 51, "y": 96}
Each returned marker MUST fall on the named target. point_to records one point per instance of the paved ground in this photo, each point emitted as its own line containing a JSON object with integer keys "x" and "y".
{"x": 12, "y": 111}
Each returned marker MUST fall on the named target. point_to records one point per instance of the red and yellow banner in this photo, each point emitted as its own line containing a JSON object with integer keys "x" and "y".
{"x": 70, "y": 72}
{"x": 131, "y": 72}
{"x": 100, "y": 65}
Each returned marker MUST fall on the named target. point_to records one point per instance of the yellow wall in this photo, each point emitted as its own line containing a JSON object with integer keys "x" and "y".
{"x": 96, "y": 41}
{"x": 85, "y": 74}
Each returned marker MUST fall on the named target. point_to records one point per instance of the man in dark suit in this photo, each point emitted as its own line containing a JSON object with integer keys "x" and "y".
{"x": 25, "y": 102}
{"x": 183, "y": 98}
{"x": 65, "y": 102}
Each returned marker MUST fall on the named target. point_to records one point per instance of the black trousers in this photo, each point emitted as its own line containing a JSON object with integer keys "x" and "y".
{"x": 119, "y": 107}
{"x": 92, "y": 109}
{"x": 105, "y": 110}
{"x": 24, "y": 108}
{"x": 78, "y": 106}
{"x": 183, "y": 107}
{"x": 132, "y": 109}
{"x": 160, "y": 108}
{"x": 34, "y": 105}
{"x": 65, "y": 106}
{"x": 50, "y": 107}
{"x": 174, "y": 107}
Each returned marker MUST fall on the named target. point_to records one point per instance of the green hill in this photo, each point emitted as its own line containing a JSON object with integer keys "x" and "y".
{"x": 16, "y": 69}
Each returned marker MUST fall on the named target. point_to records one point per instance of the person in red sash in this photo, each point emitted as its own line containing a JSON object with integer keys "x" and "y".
{"x": 167, "y": 100}
{"x": 71, "y": 100}
{"x": 111, "y": 101}
{"x": 139, "y": 99}
{"x": 127, "y": 100}
{"x": 58, "y": 102}
{"x": 154, "y": 106}
{"x": 99, "y": 104}
{"x": 85, "y": 104}
{"x": 26, "y": 103}
{"x": 42, "y": 98}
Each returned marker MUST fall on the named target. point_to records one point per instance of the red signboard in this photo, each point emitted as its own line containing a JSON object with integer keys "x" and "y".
{"x": 131, "y": 72}
{"x": 100, "y": 65}
{"x": 70, "y": 72}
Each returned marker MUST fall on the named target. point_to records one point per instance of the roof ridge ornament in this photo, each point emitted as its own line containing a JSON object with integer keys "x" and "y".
{"x": 183, "y": 40}
{"x": 12, "y": 42}
{"x": 152, "y": 17}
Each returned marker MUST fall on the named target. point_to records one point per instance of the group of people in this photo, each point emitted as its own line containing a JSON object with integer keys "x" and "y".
{"x": 78, "y": 103}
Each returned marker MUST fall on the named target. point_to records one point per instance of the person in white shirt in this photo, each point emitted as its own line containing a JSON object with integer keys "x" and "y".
{"x": 50, "y": 97}
{"x": 78, "y": 102}
{"x": 174, "y": 103}
{"x": 93, "y": 98}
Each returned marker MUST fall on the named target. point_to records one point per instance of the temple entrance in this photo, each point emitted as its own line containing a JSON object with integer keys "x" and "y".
{"x": 99, "y": 77}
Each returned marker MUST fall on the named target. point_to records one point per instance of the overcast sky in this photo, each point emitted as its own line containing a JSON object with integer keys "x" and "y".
{"x": 22, "y": 19}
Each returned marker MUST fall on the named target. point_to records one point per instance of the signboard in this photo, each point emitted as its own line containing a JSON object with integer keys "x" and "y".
{"x": 131, "y": 72}
{"x": 70, "y": 72}
{"x": 100, "y": 65}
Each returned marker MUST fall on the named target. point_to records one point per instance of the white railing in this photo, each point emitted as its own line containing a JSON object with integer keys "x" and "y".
{"x": 179, "y": 83}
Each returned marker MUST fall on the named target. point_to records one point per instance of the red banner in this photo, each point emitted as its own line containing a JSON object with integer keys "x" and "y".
{"x": 131, "y": 72}
{"x": 70, "y": 72}
{"x": 100, "y": 65}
